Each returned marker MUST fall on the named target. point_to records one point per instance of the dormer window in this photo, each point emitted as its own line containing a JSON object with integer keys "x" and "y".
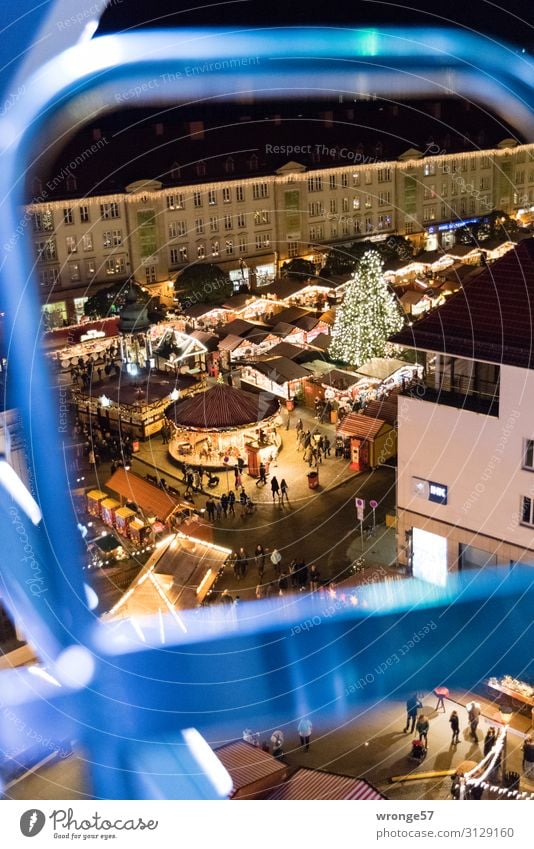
{"x": 229, "y": 165}
{"x": 175, "y": 171}
{"x": 200, "y": 168}
{"x": 253, "y": 163}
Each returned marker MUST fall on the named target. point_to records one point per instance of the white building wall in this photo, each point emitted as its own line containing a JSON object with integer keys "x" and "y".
{"x": 479, "y": 458}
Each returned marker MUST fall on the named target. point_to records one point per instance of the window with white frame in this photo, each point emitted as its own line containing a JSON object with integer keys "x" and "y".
{"x": 368, "y": 178}
{"x": 357, "y": 224}
{"x": 240, "y": 193}
{"x": 150, "y": 274}
{"x": 429, "y": 169}
{"x": 214, "y": 224}
{"x": 90, "y": 268}
{"x": 49, "y": 276}
{"x": 344, "y": 204}
{"x": 241, "y": 220}
{"x": 84, "y": 214}
{"x": 484, "y": 184}
{"x": 43, "y": 222}
{"x": 527, "y": 510}
{"x": 175, "y": 256}
{"x": 429, "y": 213}
{"x": 109, "y": 210}
{"x": 201, "y": 251}
{"x": 212, "y": 197}
{"x": 384, "y": 175}
{"x": 215, "y": 248}
{"x": 229, "y": 247}
{"x": 261, "y": 216}
{"x": 368, "y": 201}
{"x": 333, "y": 206}
{"x": 345, "y": 181}
{"x": 197, "y": 199}
{"x": 242, "y": 244}
{"x": 114, "y": 265}
{"x": 263, "y": 240}
{"x": 369, "y": 225}
{"x": 260, "y": 190}
{"x": 183, "y": 253}
{"x": 316, "y": 232}
{"x": 384, "y": 222}
{"x": 68, "y": 215}
{"x": 315, "y": 184}
{"x": 292, "y": 249}
{"x": 355, "y": 179}
{"x": 112, "y": 238}
{"x": 332, "y": 181}
{"x": 384, "y": 199}
{"x": 201, "y": 169}
{"x": 356, "y": 203}
{"x": 87, "y": 241}
{"x": 175, "y": 201}
{"x": 333, "y": 230}
{"x": 199, "y": 226}
{"x": 74, "y": 271}
{"x": 226, "y": 195}
{"x": 46, "y": 250}
{"x": 315, "y": 208}
{"x": 429, "y": 192}
{"x": 227, "y": 222}
{"x": 71, "y": 244}
{"x": 528, "y": 454}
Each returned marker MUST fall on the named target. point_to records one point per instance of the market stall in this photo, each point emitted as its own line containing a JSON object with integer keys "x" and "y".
{"x": 123, "y": 518}
{"x": 94, "y": 500}
{"x": 108, "y": 509}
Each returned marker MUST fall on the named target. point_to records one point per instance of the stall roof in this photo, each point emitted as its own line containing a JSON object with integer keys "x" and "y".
{"x": 411, "y": 298}
{"x": 289, "y": 315}
{"x": 209, "y": 340}
{"x": 363, "y": 427}
{"x": 283, "y": 329}
{"x": 316, "y": 784}
{"x": 148, "y": 497}
{"x": 171, "y": 577}
{"x": 240, "y": 327}
{"x": 338, "y": 379}
{"x": 307, "y": 322}
{"x": 285, "y": 349}
{"x": 230, "y": 343}
{"x": 380, "y": 368}
{"x": 386, "y": 409}
{"x": 329, "y": 316}
{"x": 322, "y": 341}
{"x": 248, "y": 764}
{"x": 198, "y": 310}
{"x": 280, "y": 369}
{"x": 284, "y": 288}
{"x": 128, "y": 390}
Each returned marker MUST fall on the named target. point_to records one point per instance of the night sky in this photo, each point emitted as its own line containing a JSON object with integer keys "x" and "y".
{"x": 513, "y": 20}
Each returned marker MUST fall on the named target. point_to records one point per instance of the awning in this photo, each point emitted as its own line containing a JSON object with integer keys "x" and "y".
{"x": 362, "y": 427}
{"x": 315, "y": 784}
{"x": 248, "y": 764}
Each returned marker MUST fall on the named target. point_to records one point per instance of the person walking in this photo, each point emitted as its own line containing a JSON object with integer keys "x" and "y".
{"x": 263, "y": 475}
{"x": 210, "y": 509}
{"x": 237, "y": 478}
{"x": 489, "y": 740}
{"x": 314, "y": 577}
{"x": 276, "y": 559}
{"x": 327, "y": 446}
{"x": 283, "y": 491}
{"x": 218, "y": 510}
{"x": 412, "y": 706}
{"x": 259, "y": 560}
{"x": 454, "y": 721}
{"x": 243, "y": 502}
{"x": 224, "y": 504}
{"x": 242, "y": 559}
{"x": 275, "y": 488}
{"x": 304, "y": 731}
{"x": 474, "y": 713}
{"x": 308, "y": 454}
{"x": 299, "y": 426}
{"x": 231, "y": 502}
{"x": 422, "y": 727}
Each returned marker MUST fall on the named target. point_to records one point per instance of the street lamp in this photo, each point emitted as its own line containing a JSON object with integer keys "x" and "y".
{"x": 505, "y": 717}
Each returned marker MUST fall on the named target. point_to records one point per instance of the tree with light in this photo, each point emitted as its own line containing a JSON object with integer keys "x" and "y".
{"x": 367, "y": 316}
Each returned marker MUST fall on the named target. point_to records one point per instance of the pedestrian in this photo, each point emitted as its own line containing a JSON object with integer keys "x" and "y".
{"x": 218, "y": 510}
{"x": 226, "y": 598}
{"x": 422, "y": 728}
{"x": 283, "y": 583}
{"x": 196, "y": 481}
{"x": 276, "y": 559}
{"x": 327, "y": 446}
{"x": 201, "y": 474}
{"x": 224, "y": 504}
{"x": 293, "y": 574}
{"x": 283, "y": 490}
{"x": 275, "y": 488}
{"x": 190, "y": 481}
{"x": 299, "y": 426}
{"x": 308, "y": 455}
{"x": 454, "y": 721}
{"x": 237, "y": 477}
{"x": 240, "y": 465}
{"x": 231, "y": 502}
{"x": 263, "y": 475}
{"x": 473, "y": 713}
{"x": 304, "y": 731}
{"x": 210, "y": 509}
{"x": 528, "y": 756}
{"x": 259, "y": 560}
{"x": 307, "y": 438}
{"x": 243, "y": 502}
{"x": 242, "y": 558}
{"x": 277, "y": 742}
{"x": 412, "y": 706}
{"x": 489, "y": 740}
{"x": 314, "y": 577}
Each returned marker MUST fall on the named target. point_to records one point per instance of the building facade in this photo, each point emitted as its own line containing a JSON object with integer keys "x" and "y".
{"x": 250, "y": 226}
{"x": 465, "y": 494}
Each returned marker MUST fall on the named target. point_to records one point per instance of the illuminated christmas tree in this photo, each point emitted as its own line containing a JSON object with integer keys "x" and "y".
{"x": 367, "y": 316}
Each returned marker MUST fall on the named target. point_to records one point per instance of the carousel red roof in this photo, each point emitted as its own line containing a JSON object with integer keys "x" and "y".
{"x": 222, "y": 408}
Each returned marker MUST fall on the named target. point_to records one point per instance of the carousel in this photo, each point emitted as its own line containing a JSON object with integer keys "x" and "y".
{"x": 224, "y": 425}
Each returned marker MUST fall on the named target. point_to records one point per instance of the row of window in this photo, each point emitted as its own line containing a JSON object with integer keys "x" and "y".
{"x": 113, "y": 266}
{"x": 178, "y": 200}
{"x": 181, "y": 255}
{"x": 466, "y": 206}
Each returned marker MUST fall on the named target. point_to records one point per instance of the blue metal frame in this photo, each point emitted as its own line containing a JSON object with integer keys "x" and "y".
{"x": 128, "y": 706}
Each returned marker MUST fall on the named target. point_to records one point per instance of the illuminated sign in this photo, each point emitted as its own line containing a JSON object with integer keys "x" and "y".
{"x": 437, "y": 492}
{"x": 429, "y": 557}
